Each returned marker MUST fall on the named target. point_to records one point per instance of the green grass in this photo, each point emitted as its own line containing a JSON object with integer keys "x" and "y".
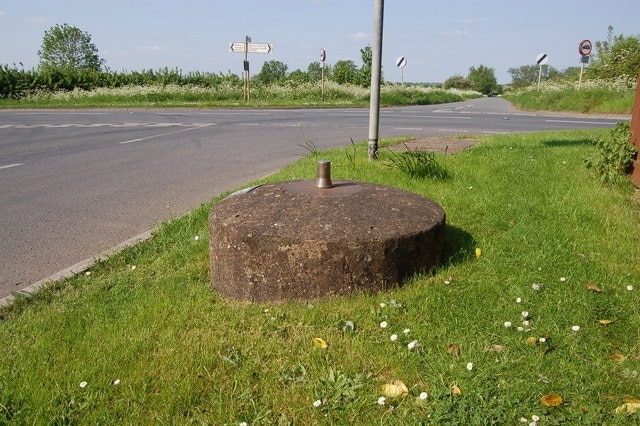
{"x": 593, "y": 96}
{"x": 182, "y": 354}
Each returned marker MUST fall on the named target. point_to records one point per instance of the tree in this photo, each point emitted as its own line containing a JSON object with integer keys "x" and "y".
{"x": 364, "y": 76}
{"x": 344, "y": 71}
{"x": 67, "y": 48}
{"x": 457, "y": 82}
{"x": 528, "y": 74}
{"x": 617, "y": 56}
{"x": 297, "y": 77}
{"x": 314, "y": 71}
{"x": 483, "y": 79}
{"x": 272, "y": 71}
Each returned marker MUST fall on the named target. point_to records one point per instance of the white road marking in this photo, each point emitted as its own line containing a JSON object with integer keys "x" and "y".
{"x": 159, "y": 135}
{"x": 579, "y": 122}
{"x": 428, "y": 116}
{"x": 112, "y": 125}
{"x": 60, "y": 113}
{"x": 8, "y": 166}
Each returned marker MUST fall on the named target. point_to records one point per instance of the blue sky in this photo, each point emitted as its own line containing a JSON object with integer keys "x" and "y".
{"x": 438, "y": 38}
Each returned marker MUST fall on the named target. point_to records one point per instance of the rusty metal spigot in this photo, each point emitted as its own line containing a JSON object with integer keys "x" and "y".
{"x": 324, "y": 174}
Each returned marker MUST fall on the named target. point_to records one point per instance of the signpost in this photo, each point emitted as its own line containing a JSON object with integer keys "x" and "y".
{"x": 247, "y": 47}
{"x": 401, "y": 62}
{"x": 584, "y": 49}
{"x": 541, "y": 59}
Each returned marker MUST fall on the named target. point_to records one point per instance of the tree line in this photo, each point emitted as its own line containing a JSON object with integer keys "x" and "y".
{"x": 69, "y": 60}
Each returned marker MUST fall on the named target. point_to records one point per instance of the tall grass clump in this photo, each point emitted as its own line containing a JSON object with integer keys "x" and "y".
{"x": 532, "y": 315}
{"x": 418, "y": 164}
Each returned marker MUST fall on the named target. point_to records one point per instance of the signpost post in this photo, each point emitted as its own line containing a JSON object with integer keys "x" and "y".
{"x": 323, "y": 56}
{"x": 247, "y": 47}
{"x": 401, "y": 62}
{"x": 584, "y": 48}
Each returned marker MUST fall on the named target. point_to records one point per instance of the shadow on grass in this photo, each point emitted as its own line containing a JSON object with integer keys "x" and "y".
{"x": 459, "y": 246}
{"x": 565, "y": 143}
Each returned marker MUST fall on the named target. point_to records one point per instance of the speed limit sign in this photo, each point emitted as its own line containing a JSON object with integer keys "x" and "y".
{"x": 584, "y": 48}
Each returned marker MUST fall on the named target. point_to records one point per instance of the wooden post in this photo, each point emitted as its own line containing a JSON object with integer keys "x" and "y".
{"x": 635, "y": 135}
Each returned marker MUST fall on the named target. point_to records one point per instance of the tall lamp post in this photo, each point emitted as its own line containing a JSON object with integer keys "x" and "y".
{"x": 376, "y": 71}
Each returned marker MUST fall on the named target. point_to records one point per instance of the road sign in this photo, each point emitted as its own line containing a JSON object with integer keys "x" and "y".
{"x": 238, "y": 47}
{"x": 584, "y": 59}
{"x": 542, "y": 59}
{"x": 323, "y": 55}
{"x": 584, "y": 48}
{"x": 401, "y": 62}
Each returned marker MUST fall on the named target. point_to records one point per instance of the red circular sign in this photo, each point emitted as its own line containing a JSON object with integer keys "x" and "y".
{"x": 584, "y": 48}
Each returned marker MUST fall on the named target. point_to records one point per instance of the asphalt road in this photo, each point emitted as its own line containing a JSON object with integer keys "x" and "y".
{"x": 75, "y": 183}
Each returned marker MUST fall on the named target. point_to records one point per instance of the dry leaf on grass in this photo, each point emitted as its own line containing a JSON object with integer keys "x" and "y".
{"x": 320, "y": 343}
{"x": 628, "y": 407}
{"x": 606, "y": 321}
{"x": 394, "y": 389}
{"x": 453, "y": 350}
{"x": 495, "y": 348}
{"x": 531, "y": 340}
{"x": 617, "y": 357}
{"x": 455, "y": 390}
{"x": 551, "y": 400}
{"x": 594, "y": 288}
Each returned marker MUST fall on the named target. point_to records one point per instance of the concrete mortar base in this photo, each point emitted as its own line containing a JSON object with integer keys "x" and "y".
{"x": 292, "y": 241}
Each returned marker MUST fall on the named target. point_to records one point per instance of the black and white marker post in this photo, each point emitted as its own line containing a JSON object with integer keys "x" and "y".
{"x": 400, "y": 63}
{"x": 541, "y": 59}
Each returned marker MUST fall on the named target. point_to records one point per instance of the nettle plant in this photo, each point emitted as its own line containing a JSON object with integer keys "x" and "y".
{"x": 615, "y": 154}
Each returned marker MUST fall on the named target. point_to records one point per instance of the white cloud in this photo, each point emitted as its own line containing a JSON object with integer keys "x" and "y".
{"x": 37, "y": 20}
{"x": 154, "y": 48}
{"x": 358, "y": 36}
{"x": 454, "y": 33}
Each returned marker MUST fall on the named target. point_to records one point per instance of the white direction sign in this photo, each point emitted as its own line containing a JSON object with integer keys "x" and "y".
{"x": 238, "y": 47}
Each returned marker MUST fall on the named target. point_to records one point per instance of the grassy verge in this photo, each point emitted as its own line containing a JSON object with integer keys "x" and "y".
{"x": 546, "y": 308}
{"x": 593, "y": 96}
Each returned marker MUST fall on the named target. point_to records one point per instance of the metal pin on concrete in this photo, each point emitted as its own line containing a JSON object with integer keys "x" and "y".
{"x": 324, "y": 174}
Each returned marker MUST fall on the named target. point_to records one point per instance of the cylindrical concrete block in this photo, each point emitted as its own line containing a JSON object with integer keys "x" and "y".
{"x": 294, "y": 240}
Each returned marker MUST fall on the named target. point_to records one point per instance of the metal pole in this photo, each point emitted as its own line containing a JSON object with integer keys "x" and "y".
{"x": 580, "y": 80}
{"x": 376, "y": 71}
{"x": 246, "y": 68}
{"x": 322, "y": 78}
{"x": 539, "y": 75}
